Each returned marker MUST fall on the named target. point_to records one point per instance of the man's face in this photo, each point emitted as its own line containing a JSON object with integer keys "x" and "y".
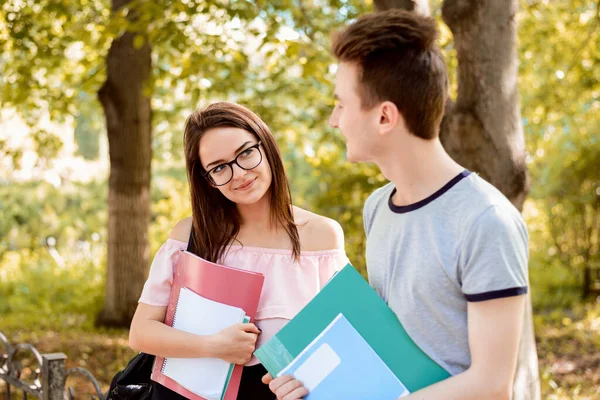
{"x": 358, "y": 126}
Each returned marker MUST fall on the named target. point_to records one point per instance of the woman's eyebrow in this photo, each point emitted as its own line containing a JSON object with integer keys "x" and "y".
{"x": 237, "y": 151}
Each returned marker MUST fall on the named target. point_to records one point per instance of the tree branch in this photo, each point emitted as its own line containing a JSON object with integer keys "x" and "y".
{"x": 418, "y": 6}
{"x": 310, "y": 30}
{"x": 593, "y": 28}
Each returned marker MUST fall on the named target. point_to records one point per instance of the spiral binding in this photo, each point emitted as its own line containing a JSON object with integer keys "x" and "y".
{"x": 164, "y": 364}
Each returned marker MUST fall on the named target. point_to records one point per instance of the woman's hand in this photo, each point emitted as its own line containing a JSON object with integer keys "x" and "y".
{"x": 236, "y": 343}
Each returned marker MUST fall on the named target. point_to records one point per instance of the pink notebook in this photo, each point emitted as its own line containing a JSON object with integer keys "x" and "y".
{"x": 227, "y": 285}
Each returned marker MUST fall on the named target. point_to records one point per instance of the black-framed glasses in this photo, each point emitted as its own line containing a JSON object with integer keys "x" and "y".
{"x": 248, "y": 159}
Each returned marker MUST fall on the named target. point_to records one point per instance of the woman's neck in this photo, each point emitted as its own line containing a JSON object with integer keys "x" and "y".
{"x": 258, "y": 230}
{"x": 256, "y": 216}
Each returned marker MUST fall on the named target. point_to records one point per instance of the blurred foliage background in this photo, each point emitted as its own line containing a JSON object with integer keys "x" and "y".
{"x": 274, "y": 58}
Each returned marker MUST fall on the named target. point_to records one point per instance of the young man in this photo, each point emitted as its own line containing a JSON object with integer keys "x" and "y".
{"x": 445, "y": 249}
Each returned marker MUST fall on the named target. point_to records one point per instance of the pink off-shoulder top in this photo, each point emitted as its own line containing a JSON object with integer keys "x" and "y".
{"x": 289, "y": 284}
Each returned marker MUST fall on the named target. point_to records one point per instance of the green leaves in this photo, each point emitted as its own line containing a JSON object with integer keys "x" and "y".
{"x": 48, "y": 49}
{"x": 560, "y": 90}
{"x": 139, "y": 41}
{"x": 274, "y": 57}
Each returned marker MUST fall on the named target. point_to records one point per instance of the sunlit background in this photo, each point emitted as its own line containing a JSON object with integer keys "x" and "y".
{"x": 274, "y": 58}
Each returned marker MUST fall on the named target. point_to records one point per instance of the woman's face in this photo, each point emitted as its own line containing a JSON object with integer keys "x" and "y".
{"x": 220, "y": 146}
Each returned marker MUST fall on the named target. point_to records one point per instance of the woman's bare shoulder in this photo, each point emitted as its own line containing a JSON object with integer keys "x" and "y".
{"x": 318, "y": 232}
{"x": 181, "y": 230}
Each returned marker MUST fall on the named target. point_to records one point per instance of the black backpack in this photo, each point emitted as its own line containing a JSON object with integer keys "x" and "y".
{"x": 134, "y": 383}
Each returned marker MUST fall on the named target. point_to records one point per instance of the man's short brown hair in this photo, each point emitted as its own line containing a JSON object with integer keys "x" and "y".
{"x": 399, "y": 62}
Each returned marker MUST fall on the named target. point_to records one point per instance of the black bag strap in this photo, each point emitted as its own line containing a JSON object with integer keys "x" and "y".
{"x": 190, "y": 246}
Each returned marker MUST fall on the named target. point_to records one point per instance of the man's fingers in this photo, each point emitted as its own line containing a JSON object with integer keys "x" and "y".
{"x": 289, "y": 389}
{"x": 278, "y": 382}
{"x": 267, "y": 379}
{"x": 296, "y": 394}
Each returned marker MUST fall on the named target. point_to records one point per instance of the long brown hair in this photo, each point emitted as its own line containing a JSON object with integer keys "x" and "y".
{"x": 216, "y": 220}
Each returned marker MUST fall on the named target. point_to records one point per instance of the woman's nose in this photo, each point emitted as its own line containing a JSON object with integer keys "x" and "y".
{"x": 238, "y": 171}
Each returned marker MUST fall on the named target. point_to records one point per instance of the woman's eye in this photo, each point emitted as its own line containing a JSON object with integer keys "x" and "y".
{"x": 246, "y": 153}
{"x": 218, "y": 169}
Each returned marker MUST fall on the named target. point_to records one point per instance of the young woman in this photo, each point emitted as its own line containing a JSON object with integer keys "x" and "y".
{"x": 242, "y": 217}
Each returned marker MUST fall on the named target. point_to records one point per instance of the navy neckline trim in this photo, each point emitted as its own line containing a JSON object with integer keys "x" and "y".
{"x": 424, "y": 202}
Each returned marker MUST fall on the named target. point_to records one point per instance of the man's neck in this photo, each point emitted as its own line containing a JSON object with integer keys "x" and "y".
{"x": 418, "y": 170}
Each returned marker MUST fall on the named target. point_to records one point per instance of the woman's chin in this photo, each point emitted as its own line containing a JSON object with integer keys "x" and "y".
{"x": 250, "y": 197}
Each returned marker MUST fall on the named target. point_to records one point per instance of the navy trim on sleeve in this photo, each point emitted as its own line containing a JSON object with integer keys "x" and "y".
{"x": 497, "y": 294}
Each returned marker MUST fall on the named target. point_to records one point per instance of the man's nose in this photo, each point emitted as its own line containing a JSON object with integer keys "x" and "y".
{"x": 333, "y": 120}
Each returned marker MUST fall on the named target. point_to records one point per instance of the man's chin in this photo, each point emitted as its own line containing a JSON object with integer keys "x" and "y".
{"x": 351, "y": 157}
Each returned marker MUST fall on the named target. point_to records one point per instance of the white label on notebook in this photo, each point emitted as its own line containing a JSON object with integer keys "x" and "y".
{"x": 317, "y": 367}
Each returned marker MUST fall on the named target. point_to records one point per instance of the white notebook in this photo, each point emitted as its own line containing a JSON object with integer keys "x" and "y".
{"x": 195, "y": 314}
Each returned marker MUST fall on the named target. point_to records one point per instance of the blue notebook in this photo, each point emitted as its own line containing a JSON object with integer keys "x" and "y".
{"x": 340, "y": 364}
{"x": 350, "y": 294}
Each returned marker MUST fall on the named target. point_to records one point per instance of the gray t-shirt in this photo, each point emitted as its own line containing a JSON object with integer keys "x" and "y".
{"x": 466, "y": 242}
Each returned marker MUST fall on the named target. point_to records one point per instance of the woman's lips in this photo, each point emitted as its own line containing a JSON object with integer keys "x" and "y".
{"x": 247, "y": 185}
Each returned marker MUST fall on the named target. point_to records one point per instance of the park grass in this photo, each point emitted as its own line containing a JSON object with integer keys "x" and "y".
{"x": 568, "y": 343}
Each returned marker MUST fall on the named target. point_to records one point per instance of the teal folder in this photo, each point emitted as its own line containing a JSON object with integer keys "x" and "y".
{"x": 348, "y": 293}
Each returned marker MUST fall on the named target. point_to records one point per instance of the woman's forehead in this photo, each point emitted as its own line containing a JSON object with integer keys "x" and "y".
{"x": 223, "y": 143}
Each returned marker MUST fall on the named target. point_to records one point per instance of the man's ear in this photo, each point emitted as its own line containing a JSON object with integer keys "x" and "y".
{"x": 389, "y": 116}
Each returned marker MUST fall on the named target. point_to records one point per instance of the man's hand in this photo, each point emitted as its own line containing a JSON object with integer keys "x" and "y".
{"x": 285, "y": 387}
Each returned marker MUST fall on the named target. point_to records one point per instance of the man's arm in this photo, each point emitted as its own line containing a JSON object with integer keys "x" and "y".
{"x": 494, "y": 336}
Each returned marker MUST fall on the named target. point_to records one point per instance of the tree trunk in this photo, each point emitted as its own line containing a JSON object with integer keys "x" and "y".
{"x": 587, "y": 281}
{"x": 482, "y": 130}
{"x": 128, "y": 120}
